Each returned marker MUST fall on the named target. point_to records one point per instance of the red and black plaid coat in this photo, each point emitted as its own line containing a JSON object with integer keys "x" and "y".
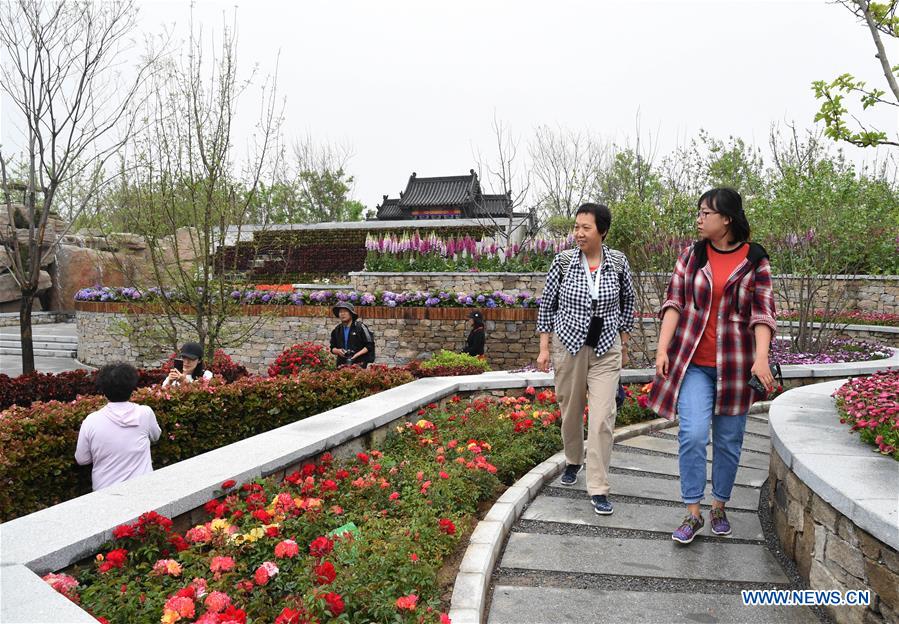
{"x": 747, "y": 301}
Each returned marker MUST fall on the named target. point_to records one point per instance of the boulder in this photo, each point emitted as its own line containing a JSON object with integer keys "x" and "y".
{"x": 81, "y": 267}
{"x": 9, "y": 288}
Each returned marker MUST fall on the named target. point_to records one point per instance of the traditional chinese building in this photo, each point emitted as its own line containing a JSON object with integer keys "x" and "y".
{"x": 447, "y": 197}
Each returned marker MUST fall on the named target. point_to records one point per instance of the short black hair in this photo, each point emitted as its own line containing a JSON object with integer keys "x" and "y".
{"x": 601, "y": 214}
{"x": 117, "y": 381}
{"x": 728, "y": 203}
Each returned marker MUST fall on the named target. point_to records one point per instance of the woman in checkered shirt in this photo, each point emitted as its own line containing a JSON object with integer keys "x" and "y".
{"x": 718, "y": 321}
{"x": 585, "y": 318}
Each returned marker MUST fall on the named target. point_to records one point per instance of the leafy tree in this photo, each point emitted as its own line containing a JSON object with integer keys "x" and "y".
{"x": 881, "y": 20}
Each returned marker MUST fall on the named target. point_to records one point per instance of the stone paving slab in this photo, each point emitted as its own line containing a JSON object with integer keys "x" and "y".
{"x": 758, "y": 427}
{"x": 670, "y": 447}
{"x": 656, "y": 558}
{"x": 752, "y": 477}
{"x": 749, "y": 442}
{"x": 652, "y": 518}
{"x": 533, "y": 605}
{"x": 664, "y": 489}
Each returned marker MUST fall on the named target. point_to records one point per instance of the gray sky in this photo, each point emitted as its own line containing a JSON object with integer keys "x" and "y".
{"x": 413, "y": 86}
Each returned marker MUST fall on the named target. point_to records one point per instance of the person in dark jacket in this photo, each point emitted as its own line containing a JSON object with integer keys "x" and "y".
{"x": 351, "y": 340}
{"x": 476, "y": 338}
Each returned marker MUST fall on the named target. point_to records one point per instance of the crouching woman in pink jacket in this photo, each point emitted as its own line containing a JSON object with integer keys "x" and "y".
{"x": 116, "y": 438}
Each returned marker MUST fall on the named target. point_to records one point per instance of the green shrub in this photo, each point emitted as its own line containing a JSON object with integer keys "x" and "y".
{"x": 453, "y": 359}
{"x": 38, "y": 469}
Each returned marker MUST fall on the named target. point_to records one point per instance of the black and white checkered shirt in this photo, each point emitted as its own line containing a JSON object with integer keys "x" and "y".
{"x": 566, "y": 305}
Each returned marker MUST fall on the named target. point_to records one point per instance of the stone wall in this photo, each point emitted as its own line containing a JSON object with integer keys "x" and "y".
{"x": 114, "y": 335}
{"x": 830, "y": 551}
{"x": 870, "y": 293}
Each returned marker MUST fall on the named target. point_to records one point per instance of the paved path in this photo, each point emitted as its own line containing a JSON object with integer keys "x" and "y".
{"x": 563, "y": 563}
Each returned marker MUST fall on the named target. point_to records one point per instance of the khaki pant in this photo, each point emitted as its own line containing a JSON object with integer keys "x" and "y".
{"x": 584, "y": 379}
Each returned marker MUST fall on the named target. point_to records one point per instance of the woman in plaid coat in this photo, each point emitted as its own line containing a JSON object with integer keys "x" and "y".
{"x": 718, "y": 321}
{"x": 585, "y": 318}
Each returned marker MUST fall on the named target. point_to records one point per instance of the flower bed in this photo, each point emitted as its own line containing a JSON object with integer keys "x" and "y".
{"x": 870, "y": 405}
{"x": 69, "y": 385}
{"x": 837, "y": 350}
{"x": 357, "y": 541}
{"x": 419, "y": 298}
{"x": 38, "y": 469}
{"x": 393, "y": 253}
{"x": 856, "y": 317}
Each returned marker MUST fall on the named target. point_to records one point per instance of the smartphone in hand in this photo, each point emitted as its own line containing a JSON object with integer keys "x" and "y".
{"x": 178, "y": 365}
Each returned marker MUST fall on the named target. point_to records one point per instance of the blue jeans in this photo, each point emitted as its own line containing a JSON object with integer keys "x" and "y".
{"x": 695, "y": 407}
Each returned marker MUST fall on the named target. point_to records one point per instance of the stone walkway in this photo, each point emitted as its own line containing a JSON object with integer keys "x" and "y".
{"x": 563, "y": 563}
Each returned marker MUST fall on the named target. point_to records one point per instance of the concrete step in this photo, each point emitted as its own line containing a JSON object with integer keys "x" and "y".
{"x": 533, "y": 605}
{"x": 5, "y": 336}
{"x": 652, "y": 518}
{"x": 753, "y": 477}
{"x": 40, "y": 344}
{"x": 670, "y": 447}
{"x": 663, "y": 489}
{"x": 656, "y": 558}
{"x": 55, "y": 353}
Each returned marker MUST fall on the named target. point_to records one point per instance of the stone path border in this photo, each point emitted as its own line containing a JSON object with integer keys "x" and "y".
{"x": 808, "y": 437}
{"x": 473, "y": 580}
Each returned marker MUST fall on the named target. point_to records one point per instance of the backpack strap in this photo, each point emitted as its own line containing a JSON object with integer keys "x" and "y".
{"x": 565, "y": 259}
{"x": 366, "y": 332}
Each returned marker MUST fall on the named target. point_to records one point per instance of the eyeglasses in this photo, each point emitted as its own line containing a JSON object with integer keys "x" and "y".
{"x": 703, "y": 214}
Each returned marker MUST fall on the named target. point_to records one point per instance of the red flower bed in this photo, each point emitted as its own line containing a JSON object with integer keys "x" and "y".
{"x": 871, "y": 406}
{"x": 358, "y": 541}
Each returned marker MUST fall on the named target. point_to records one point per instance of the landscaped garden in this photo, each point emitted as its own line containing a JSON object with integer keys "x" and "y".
{"x": 360, "y": 540}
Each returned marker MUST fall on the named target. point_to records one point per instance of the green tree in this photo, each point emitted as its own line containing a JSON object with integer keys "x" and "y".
{"x": 881, "y": 20}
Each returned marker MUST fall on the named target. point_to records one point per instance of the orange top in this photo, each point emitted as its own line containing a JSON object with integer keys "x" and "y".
{"x": 722, "y": 264}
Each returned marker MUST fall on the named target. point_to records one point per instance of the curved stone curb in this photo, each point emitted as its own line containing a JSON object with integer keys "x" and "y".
{"x": 844, "y": 471}
{"x": 473, "y": 580}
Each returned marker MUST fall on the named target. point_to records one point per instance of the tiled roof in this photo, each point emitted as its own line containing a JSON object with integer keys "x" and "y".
{"x": 443, "y": 191}
{"x": 491, "y": 206}
{"x": 390, "y": 209}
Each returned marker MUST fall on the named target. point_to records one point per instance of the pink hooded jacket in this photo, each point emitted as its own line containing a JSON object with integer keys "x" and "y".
{"x": 116, "y": 440}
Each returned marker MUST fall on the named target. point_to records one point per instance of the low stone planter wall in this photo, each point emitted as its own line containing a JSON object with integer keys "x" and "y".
{"x": 57, "y": 537}
{"x": 114, "y": 331}
{"x": 834, "y": 503}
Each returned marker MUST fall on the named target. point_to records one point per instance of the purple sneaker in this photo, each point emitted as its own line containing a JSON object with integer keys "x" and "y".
{"x": 688, "y": 529}
{"x": 718, "y": 520}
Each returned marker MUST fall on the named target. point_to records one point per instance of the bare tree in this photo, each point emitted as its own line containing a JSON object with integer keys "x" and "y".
{"x": 565, "y": 168}
{"x": 183, "y": 168}
{"x": 506, "y": 176}
{"x": 60, "y": 70}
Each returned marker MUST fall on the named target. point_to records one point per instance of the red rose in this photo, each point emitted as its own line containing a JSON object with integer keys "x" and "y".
{"x": 230, "y": 483}
{"x": 334, "y": 602}
{"x": 123, "y": 530}
{"x": 321, "y": 547}
{"x": 447, "y": 526}
{"x": 272, "y": 531}
{"x": 325, "y": 573}
{"x": 362, "y": 457}
{"x": 288, "y": 616}
{"x": 263, "y": 516}
{"x": 235, "y": 614}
